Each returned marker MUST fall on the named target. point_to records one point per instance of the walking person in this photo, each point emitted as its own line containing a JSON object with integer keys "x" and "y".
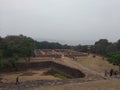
{"x": 105, "y": 73}
{"x": 17, "y": 80}
{"x": 111, "y": 72}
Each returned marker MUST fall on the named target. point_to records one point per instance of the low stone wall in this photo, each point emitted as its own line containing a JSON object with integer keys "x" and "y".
{"x": 68, "y": 71}
{"x": 25, "y": 66}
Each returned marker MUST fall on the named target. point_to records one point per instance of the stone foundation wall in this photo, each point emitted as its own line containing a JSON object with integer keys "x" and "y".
{"x": 68, "y": 71}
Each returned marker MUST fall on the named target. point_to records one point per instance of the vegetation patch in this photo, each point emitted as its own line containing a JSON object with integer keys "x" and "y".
{"x": 56, "y": 74}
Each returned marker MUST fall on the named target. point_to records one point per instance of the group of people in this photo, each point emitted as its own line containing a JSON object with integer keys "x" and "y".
{"x": 110, "y": 73}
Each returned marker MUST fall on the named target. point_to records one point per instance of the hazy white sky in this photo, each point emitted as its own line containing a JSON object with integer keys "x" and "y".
{"x": 61, "y": 19}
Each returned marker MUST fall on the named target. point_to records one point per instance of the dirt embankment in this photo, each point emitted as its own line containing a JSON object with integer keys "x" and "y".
{"x": 68, "y": 71}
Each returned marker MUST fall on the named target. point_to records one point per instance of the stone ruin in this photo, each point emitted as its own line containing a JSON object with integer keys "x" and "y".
{"x": 57, "y": 53}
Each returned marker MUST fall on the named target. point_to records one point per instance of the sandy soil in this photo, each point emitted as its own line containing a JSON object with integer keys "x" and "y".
{"x": 97, "y": 64}
{"x": 95, "y": 85}
{"x": 27, "y": 76}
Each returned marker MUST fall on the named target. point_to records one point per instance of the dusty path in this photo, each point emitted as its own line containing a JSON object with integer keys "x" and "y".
{"x": 89, "y": 72}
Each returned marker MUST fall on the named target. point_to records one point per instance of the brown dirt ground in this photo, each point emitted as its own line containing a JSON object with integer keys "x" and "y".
{"x": 95, "y": 65}
{"x": 95, "y": 85}
{"x": 98, "y": 64}
{"x": 26, "y": 76}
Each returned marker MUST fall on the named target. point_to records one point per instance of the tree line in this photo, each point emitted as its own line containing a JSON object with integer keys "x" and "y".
{"x": 14, "y": 47}
{"x": 108, "y": 49}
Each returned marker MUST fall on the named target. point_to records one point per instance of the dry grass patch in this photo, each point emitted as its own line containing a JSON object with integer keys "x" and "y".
{"x": 26, "y": 76}
{"x": 97, "y": 63}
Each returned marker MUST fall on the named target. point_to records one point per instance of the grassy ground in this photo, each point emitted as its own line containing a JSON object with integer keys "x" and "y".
{"x": 56, "y": 74}
{"x": 98, "y": 63}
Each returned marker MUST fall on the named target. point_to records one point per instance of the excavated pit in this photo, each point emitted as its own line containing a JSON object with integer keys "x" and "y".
{"x": 68, "y": 72}
{"x": 62, "y": 69}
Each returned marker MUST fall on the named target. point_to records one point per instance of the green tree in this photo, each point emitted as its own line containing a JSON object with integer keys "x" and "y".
{"x": 101, "y": 46}
{"x": 81, "y": 48}
{"x": 114, "y": 58}
{"x": 118, "y": 44}
{"x": 13, "y": 47}
{"x": 27, "y": 48}
{"x": 111, "y": 48}
{"x": 1, "y": 61}
{"x": 13, "y": 60}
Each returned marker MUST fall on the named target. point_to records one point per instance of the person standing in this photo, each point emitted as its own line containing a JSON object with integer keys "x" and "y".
{"x": 111, "y": 72}
{"x": 105, "y": 73}
{"x": 17, "y": 80}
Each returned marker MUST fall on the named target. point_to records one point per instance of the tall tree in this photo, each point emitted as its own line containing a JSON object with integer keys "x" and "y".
{"x": 13, "y": 60}
{"x": 111, "y": 48}
{"x": 114, "y": 58}
{"x": 118, "y": 44}
{"x": 1, "y": 61}
{"x": 21, "y": 46}
{"x": 100, "y": 46}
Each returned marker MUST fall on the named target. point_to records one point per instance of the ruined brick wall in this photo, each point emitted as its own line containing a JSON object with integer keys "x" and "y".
{"x": 68, "y": 71}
